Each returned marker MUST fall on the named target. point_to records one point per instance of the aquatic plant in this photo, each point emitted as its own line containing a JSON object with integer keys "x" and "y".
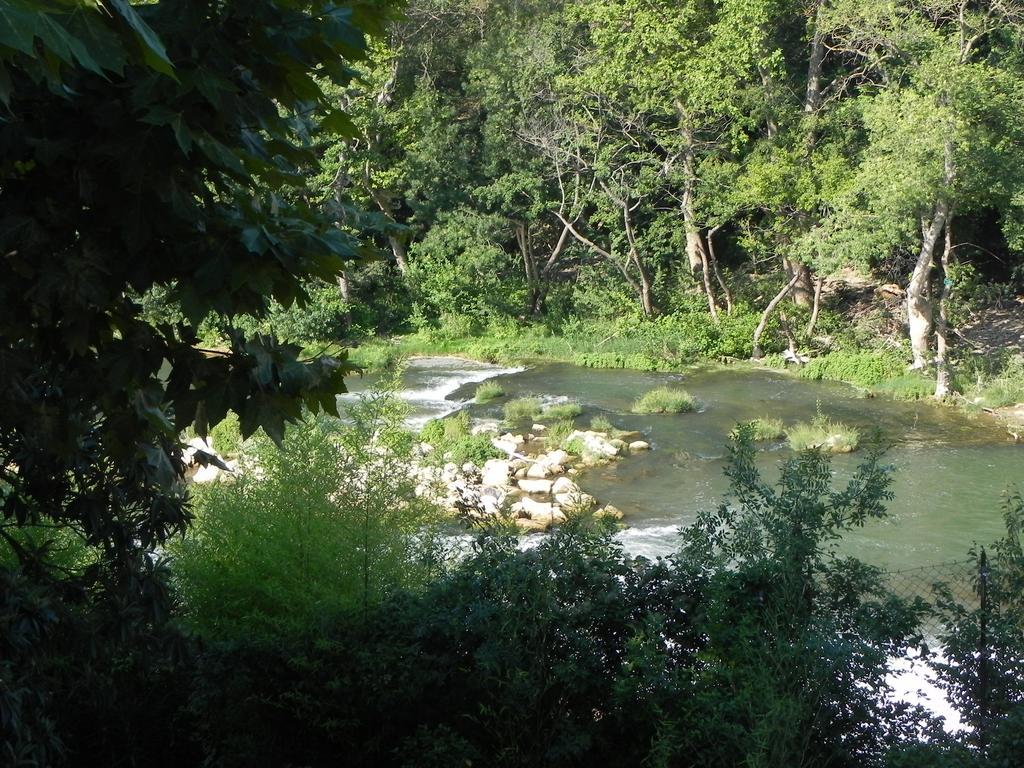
{"x": 488, "y": 391}
{"x": 823, "y": 434}
{"x": 561, "y": 411}
{"x": 522, "y": 409}
{"x": 764, "y": 429}
{"x": 665, "y": 400}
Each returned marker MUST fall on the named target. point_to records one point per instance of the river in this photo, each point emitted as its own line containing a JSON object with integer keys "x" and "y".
{"x": 951, "y": 468}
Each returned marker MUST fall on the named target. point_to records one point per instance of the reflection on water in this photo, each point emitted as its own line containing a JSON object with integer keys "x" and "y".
{"x": 952, "y": 469}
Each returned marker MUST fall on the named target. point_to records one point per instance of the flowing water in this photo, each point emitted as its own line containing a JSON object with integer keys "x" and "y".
{"x": 951, "y": 468}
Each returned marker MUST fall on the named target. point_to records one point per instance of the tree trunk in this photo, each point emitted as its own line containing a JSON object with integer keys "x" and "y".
{"x": 942, "y": 374}
{"x": 398, "y": 249}
{"x": 756, "y": 353}
{"x": 693, "y": 241}
{"x": 919, "y": 304}
{"x": 818, "y": 284}
{"x": 345, "y": 291}
{"x": 803, "y": 288}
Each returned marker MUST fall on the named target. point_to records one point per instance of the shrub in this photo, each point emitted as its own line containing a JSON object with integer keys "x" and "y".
{"x": 474, "y": 449}
{"x": 560, "y": 411}
{"x": 488, "y": 391}
{"x": 522, "y": 409}
{"x": 665, "y": 400}
{"x": 823, "y": 434}
{"x": 329, "y": 523}
{"x": 864, "y": 369}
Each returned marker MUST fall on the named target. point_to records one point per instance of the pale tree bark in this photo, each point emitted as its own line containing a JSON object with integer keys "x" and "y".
{"x": 803, "y": 289}
{"x": 942, "y": 373}
{"x": 345, "y": 291}
{"x": 818, "y": 285}
{"x": 919, "y": 304}
{"x": 756, "y": 352}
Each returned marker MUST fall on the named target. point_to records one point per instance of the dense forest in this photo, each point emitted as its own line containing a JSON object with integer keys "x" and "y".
{"x": 693, "y": 175}
{"x": 214, "y": 214}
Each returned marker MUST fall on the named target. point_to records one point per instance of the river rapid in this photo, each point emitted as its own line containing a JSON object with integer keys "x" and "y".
{"x": 952, "y": 469}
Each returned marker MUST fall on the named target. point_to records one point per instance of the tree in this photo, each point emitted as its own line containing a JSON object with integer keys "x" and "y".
{"x": 160, "y": 145}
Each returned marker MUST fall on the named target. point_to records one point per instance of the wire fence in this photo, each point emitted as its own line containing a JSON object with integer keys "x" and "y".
{"x": 962, "y": 580}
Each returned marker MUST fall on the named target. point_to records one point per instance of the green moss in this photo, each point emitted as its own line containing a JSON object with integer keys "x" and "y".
{"x": 865, "y": 369}
{"x": 665, "y": 400}
{"x": 488, "y": 391}
{"x": 522, "y": 409}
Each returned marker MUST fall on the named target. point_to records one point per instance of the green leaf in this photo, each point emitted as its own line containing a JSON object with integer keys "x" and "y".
{"x": 153, "y": 51}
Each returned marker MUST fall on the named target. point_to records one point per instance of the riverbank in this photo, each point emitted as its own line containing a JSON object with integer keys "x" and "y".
{"x": 985, "y": 384}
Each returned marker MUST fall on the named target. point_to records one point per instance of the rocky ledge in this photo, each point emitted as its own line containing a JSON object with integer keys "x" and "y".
{"x": 534, "y": 486}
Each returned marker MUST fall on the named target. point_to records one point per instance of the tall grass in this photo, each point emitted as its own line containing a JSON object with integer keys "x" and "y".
{"x": 665, "y": 400}
{"x": 561, "y": 411}
{"x": 522, "y": 409}
{"x": 488, "y": 392}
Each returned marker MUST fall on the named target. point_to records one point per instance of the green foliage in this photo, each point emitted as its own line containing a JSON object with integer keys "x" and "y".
{"x": 521, "y": 410}
{"x": 327, "y": 524}
{"x": 560, "y": 411}
{"x": 823, "y": 434}
{"x": 226, "y": 437}
{"x": 488, "y": 391}
{"x": 602, "y": 424}
{"x": 864, "y": 369}
{"x": 665, "y": 400}
{"x": 779, "y": 597}
{"x": 189, "y": 131}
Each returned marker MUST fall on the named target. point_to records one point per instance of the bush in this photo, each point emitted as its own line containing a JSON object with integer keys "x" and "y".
{"x": 328, "y": 523}
{"x": 488, "y": 391}
{"x": 226, "y": 436}
{"x": 864, "y": 369}
{"x": 824, "y": 434}
{"x": 665, "y": 400}
{"x": 560, "y": 411}
{"x": 522, "y": 409}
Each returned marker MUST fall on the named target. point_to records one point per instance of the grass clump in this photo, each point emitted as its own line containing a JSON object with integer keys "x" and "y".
{"x": 561, "y": 411}
{"x": 454, "y": 441}
{"x": 602, "y": 424}
{"x": 764, "y": 429}
{"x": 522, "y": 409}
{"x": 558, "y": 433}
{"x": 488, "y": 391}
{"x": 823, "y": 434}
{"x": 665, "y": 400}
